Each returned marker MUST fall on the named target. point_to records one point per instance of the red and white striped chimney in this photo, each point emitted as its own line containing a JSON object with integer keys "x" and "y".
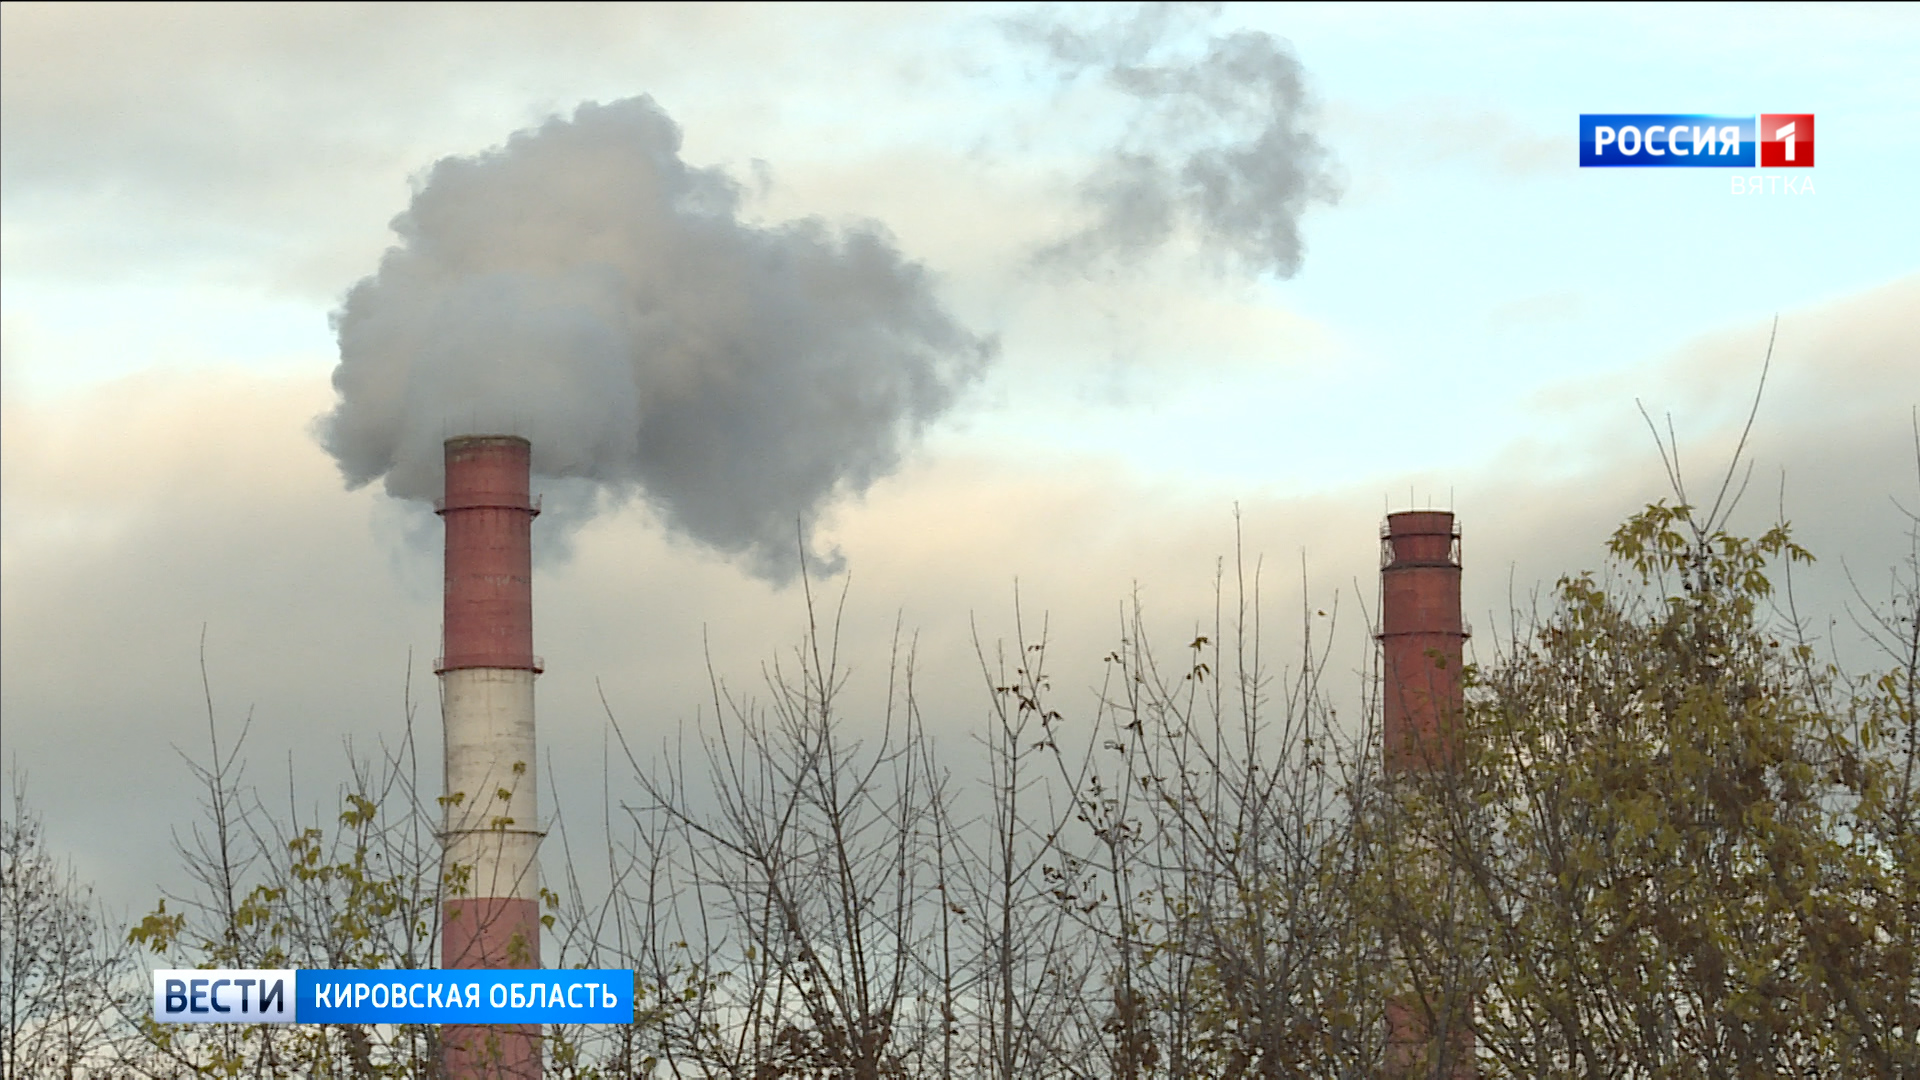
{"x": 492, "y": 823}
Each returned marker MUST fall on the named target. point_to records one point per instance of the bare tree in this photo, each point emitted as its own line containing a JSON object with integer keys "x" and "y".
{"x": 778, "y": 904}
{"x": 63, "y": 966}
{"x": 1219, "y": 857}
{"x": 361, "y": 890}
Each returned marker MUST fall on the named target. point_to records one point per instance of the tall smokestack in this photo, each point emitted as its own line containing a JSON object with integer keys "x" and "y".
{"x": 1422, "y": 638}
{"x": 492, "y": 840}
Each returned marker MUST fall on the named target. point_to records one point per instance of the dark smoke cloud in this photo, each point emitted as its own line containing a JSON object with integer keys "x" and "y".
{"x": 586, "y": 288}
{"x": 1219, "y": 150}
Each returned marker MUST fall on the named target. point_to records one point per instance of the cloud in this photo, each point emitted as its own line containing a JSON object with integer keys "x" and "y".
{"x": 266, "y": 146}
{"x": 1436, "y": 131}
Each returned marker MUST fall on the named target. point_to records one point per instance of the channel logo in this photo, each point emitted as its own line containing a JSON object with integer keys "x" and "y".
{"x": 421, "y": 996}
{"x": 1696, "y": 141}
{"x": 1786, "y": 141}
{"x": 223, "y": 997}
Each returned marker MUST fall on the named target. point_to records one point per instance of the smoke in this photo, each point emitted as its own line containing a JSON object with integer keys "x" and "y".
{"x": 1219, "y": 150}
{"x": 584, "y": 287}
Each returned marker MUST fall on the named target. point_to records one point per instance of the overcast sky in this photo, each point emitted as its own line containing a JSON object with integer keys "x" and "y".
{"x": 1408, "y": 294}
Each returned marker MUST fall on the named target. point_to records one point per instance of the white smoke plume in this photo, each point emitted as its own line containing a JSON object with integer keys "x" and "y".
{"x": 584, "y": 287}
{"x": 1219, "y": 150}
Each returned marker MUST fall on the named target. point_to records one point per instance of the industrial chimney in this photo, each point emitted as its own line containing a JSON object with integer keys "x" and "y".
{"x": 1421, "y": 638}
{"x": 492, "y": 837}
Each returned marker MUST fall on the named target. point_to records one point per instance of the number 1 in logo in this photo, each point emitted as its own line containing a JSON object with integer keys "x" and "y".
{"x": 1786, "y": 140}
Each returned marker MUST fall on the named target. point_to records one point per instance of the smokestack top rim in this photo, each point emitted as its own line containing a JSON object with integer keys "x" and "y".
{"x": 1424, "y": 539}
{"x": 466, "y": 442}
{"x": 1420, "y": 523}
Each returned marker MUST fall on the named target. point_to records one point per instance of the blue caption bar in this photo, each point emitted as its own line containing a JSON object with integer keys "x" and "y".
{"x": 421, "y": 996}
{"x": 446, "y": 996}
{"x": 1666, "y": 141}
